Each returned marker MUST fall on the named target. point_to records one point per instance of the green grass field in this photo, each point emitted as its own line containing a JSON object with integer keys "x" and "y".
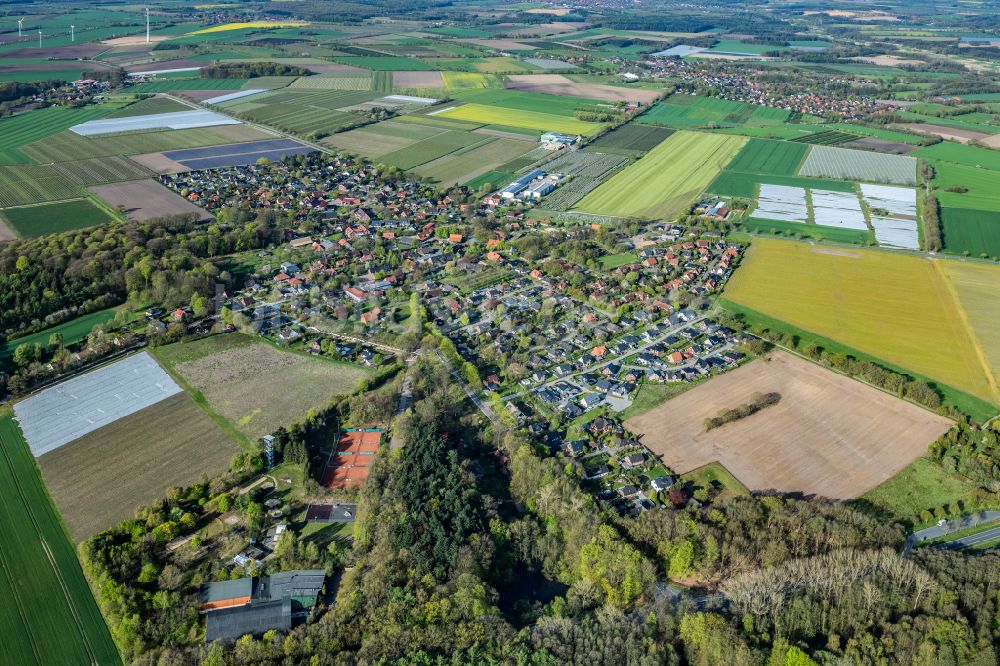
{"x": 895, "y": 307}
{"x": 684, "y": 111}
{"x": 923, "y": 485}
{"x": 612, "y": 261}
{"x": 535, "y": 120}
{"x": 48, "y": 615}
{"x": 527, "y": 101}
{"x": 972, "y": 231}
{"x": 666, "y": 180}
{"x": 494, "y": 178}
{"x": 814, "y": 231}
{"x": 150, "y": 105}
{"x": 958, "y": 153}
{"x": 981, "y": 184}
{"x": 72, "y": 331}
{"x": 459, "y": 166}
{"x": 735, "y": 184}
{"x": 55, "y": 217}
{"x": 170, "y": 85}
{"x": 715, "y": 476}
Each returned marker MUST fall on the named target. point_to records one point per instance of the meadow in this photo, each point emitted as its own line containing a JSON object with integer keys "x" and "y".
{"x": 958, "y": 153}
{"x": 895, "y": 307}
{"x": 666, "y": 180}
{"x": 981, "y": 185}
{"x": 528, "y": 101}
{"x": 814, "y": 231}
{"x": 172, "y": 443}
{"x": 48, "y": 615}
{"x": 686, "y": 111}
{"x": 468, "y": 162}
{"x": 432, "y": 148}
{"x": 236, "y": 377}
{"x": 54, "y": 217}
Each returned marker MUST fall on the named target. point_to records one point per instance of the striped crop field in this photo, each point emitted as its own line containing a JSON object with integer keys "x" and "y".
{"x": 667, "y": 179}
{"x": 25, "y": 128}
{"x": 846, "y": 164}
{"x": 48, "y": 615}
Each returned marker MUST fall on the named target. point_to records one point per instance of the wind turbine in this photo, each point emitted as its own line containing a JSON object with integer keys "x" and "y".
{"x": 147, "y": 25}
{"x": 72, "y": 34}
{"x": 20, "y": 22}
{"x": 39, "y": 39}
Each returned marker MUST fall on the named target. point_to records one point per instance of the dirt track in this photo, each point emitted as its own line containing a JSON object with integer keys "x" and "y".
{"x": 829, "y": 435}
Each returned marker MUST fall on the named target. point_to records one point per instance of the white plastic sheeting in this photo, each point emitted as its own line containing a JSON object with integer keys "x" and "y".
{"x": 78, "y": 406}
{"x": 838, "y": 209}
{"x": 892, "y": 232}
{"x": 895, "y": 200}
{"x": 174, "y": 120}
{"x": 783, "y": 203}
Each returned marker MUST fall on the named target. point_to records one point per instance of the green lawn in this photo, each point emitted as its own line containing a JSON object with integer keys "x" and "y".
{"x": 923, "y": 485}
{"x": 715, "y": 475}
{"x": 612, "y": 261}
{"x": 814, "y": 231}
{"x": 48, "y": 614}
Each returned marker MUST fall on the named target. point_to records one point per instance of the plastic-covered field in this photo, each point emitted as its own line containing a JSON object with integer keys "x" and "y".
{"x": 893, "y": 232}
{"x": 838, "y": 209}
{"x": 239, "y": 154}
{"x": 846, "y": 164}
{"x": 175, "y": 120}
{"x": 779, "y": 202}
{"x": 236, "y": 95}
{"x": 69, "y": 410}
{"x": 895, "y": 200}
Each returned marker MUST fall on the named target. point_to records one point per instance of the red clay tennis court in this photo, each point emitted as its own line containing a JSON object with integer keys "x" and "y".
{"x": 348, "y": 465}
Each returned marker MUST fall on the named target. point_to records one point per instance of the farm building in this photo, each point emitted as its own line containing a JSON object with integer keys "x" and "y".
{"x": 235, "y": 608}
{"x": 521, "y": 184}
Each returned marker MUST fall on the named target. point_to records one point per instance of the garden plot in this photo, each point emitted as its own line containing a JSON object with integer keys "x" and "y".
{"x": 897, "y": 201}
{"x": 70, "y": 410}
{"x": 780, "y": 202}
{"x": 892, "y": 232}
{"x": 846, "y": 164}
{"x": 174, "y": 121}
{"x": 838, "y": 209}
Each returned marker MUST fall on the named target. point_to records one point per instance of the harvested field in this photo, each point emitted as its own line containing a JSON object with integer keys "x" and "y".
{"x": 238, "y": 377}
{"x": 417, "y": 80}
{"x": 895, "y": 307}
{"x": 557, "y": 84}
{"x": 159, "y": 163}
{"x": 944, "y": 132}
{"x": 803, "y": 444}
{"x": 146, "y": 199}
{"x": 168, "y": 444}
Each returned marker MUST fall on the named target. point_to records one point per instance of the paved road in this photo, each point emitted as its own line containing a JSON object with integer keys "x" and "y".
{"x": 965, "y": 542}
{"x": 951, "y": 526}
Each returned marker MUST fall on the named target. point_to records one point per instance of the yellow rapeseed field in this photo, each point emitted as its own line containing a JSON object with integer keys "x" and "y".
{"x": 976, "y": 287}
{"x": 899, "y": 308}
{"x": 250, "y": 24}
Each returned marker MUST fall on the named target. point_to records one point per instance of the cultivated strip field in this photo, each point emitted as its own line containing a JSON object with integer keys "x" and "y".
{"x": 892, "y": 306}
{"x": 976, "y": 287}
{"x": 47, "y": 614}
{"x": 256, "y": 386}
{"x": 101, "y": 478}
{"x": 802, "y": 444}
{"x": 666, "y": 179}
{"x": 846, "y": 164}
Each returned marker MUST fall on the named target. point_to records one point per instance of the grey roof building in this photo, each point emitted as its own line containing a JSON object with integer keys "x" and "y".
{"x": 254, "y": 606}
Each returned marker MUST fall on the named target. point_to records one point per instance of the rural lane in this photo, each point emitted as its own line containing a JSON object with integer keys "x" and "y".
{"x": 950, "y": 526}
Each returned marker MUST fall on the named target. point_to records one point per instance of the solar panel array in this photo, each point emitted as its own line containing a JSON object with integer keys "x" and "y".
{"x": 70, "y": 410}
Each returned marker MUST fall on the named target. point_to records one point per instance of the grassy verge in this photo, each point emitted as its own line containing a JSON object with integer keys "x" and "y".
{"x": 961, "y": 534}
{"x": 715, "y": 475}
{"x": 979, "y": 410}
